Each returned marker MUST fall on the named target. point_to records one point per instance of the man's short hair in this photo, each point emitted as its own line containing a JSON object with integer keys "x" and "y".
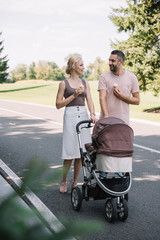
{"x": 119, "y": 53}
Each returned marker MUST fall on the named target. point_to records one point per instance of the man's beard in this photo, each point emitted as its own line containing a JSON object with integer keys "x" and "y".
{"x": 113, "y": 68}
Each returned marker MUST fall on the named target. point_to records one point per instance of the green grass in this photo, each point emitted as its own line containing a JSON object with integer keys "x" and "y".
{"x": 44, "y": 92}
{"x": 30, "y": 92}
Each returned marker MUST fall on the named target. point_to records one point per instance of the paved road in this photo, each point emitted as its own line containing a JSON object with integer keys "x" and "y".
{"x": 33, "y": 130}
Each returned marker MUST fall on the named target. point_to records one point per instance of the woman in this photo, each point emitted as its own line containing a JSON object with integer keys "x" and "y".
{"x": 71, "y": 94}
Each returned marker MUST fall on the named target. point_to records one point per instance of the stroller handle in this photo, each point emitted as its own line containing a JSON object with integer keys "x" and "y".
{"x": 81, "y": 122}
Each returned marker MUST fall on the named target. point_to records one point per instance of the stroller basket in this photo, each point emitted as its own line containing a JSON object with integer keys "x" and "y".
{"x": 117, "y": 184}
{"x": 114, "y": 186}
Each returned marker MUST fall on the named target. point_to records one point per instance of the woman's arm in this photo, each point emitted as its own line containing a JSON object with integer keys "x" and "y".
{"x": 60, "y": 101}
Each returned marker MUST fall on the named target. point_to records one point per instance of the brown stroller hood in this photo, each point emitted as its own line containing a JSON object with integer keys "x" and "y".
{"x": 113, "y": 137}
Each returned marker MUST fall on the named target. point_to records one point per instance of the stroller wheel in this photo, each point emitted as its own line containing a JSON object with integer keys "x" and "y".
{"x": 122, "y": 210}
{"x": 111, "y": 209}
{"x": 76, "y": 198}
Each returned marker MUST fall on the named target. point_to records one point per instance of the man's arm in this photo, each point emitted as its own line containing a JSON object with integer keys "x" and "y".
{"x": 103, "y": 102}
{"x": 134, "y": 99}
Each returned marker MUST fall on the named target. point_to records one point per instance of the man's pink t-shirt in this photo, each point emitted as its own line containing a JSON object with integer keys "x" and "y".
{"x": 127, "y": 83}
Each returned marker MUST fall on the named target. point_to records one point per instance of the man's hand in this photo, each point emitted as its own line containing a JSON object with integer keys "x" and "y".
{"x": 134, "y": 99}
{"x": 118, "y": 93}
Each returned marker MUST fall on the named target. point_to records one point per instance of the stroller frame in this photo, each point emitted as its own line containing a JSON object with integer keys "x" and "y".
{"x": 95, "y": 188}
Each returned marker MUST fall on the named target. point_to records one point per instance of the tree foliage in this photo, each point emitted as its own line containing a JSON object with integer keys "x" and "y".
{"x": 50, "y": 71}
{"x": 19, "y": 222}
{"x": 94, "y": 70}
{"x": 3, "y": 64}
{"x": 43, "y": 70}
{"x": 141, "y": 20}
{"x": 31, "y": 74}
{"x": 19, "y": 73}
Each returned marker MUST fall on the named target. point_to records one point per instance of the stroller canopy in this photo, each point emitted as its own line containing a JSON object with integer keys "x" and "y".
{"x": 113, "y": 137}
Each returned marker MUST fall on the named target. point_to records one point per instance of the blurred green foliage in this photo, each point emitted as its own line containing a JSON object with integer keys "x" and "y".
{"x": 17, "y": 222}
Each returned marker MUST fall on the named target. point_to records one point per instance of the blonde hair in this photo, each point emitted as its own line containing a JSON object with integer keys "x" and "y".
{"x": 71, "y": 62}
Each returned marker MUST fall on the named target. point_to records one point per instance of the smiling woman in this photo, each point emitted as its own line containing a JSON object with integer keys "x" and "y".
{"x": 71, "y": 94}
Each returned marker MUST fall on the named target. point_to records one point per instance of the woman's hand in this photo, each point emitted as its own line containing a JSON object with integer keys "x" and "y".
{"x": 93, "y": 117}
{"x": 78, "y": 91}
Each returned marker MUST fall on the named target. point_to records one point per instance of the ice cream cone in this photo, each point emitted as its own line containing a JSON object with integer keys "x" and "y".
{"x": 115, "y": 85}
{"x": 81, "y": 86}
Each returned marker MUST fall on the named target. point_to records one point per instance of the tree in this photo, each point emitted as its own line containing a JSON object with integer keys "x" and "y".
{"x": 44, "y": 70}
{"x": 94, "y": 70}
{"x": 3, "y": 65}
{"x": 59, "y": 74}
{"x": 53, "y": 65}
{"x": 31, "y": 74}
{"x": 49, "y": 71}
{"x": 141, "y": 20}
{"x": 19, "y": 73}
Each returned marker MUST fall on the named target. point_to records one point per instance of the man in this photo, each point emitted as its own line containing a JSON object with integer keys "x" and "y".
{"x": 117, "y": 89}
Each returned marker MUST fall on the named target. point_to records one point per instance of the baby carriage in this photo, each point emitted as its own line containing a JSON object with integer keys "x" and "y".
{"x": 107, "y": 167}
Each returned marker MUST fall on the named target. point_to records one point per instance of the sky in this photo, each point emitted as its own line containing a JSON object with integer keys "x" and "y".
{"x": 50, "y": 30}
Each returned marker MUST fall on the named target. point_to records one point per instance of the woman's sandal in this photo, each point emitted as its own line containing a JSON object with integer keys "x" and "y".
{"x": 63, "y": 187}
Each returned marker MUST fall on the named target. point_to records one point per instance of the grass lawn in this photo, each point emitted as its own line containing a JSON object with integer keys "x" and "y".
{"x": 44, "y": 92}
